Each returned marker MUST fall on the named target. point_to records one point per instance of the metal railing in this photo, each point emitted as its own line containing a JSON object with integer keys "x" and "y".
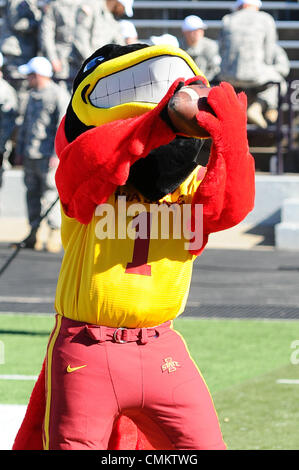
{"x": 201, "y": 5}
{"x": 284, "y": 134}
{"x": 213, "y": 24}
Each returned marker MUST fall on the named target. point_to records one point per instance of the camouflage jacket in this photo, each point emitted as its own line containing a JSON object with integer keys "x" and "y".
{"x": 71, "y": 30}
{"x": 206, "y": 56}
{"x": 246, "y": 42}
{"x": 44, "y": 111}
{"x": 19, "y": 31}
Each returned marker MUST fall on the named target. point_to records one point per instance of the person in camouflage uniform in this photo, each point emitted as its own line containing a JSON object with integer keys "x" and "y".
{"x": 8, "y": 114}
{"x": 268, "y": 98}
{"x": 204, "y": 51}
{"x": 247, "y": 43}
{"x": 19, "y": 42}
{"x": 35, "y": 147}
{"x": 70, "y": 30}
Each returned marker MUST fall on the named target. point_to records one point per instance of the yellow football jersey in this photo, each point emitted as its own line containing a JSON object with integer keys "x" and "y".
{"x": 130, "y": 266}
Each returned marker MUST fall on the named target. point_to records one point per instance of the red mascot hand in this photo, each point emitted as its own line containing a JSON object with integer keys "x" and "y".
{"x": 228, "y": 128}
{"x": 227, "y": 190}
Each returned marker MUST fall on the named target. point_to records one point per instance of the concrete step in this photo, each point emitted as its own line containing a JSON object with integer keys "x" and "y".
{"x": 287, "y": 232}
{"x": 290, "y": 211}
{"x": 287, "y": 236}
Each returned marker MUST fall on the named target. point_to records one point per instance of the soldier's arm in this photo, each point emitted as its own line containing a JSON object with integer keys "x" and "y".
{"x": 20, "y": 142}
{"x": 220, "y": 38}
{"x": 270, "y": 39}
{"x": 47, "y": 35}
{"x": 82, "y": 46}
{"x": 62, "y": 102}
{"x": 24, "y": 17}
{"x": 108, "y": 31}
{"x": 97, "y": 33}
{"x": 281, "y": 61}
{"x": 8, "y": 109}
{"x": 213, "y": 60}
{"x": 22, "y": 132}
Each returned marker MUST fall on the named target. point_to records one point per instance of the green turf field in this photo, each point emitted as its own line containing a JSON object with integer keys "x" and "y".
{"x": 241, "y": 361}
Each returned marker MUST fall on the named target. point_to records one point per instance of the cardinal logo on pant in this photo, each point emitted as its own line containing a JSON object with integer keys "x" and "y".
{"x": 169, "y": 365}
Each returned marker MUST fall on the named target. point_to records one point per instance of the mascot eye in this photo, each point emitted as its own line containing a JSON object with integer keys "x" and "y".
{"x": 93, "y": 62}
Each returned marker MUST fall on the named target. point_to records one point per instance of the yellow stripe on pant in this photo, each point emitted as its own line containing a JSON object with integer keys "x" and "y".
{"x": 46, "y": 434}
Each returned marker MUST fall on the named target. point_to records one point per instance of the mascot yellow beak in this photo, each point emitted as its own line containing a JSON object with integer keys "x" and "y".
{"x": 129, "y": 85}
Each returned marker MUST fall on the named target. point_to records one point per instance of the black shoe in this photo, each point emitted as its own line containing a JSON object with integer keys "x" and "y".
{"x": 30, "y": 241}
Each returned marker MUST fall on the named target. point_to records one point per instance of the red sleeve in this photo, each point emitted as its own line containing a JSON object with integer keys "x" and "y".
{"x": 99, "y": 160}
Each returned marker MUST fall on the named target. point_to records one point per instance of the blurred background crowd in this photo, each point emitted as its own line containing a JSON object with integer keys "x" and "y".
{"x": 44, "y": 42}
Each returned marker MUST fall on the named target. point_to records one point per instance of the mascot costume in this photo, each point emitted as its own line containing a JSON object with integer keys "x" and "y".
{"x": 116, "y": 373}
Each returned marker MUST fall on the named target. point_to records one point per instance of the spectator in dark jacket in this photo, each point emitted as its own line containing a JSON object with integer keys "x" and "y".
{"x": 35, "y": 147}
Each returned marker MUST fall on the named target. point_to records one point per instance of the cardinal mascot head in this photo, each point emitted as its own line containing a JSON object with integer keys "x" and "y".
{"x": 120, "y": 82}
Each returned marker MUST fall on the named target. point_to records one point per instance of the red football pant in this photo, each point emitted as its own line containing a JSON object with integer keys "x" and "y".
{"x": 91, "y": 379}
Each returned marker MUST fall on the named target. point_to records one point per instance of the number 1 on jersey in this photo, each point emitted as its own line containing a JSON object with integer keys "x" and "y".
{"x": 139, "y": 265}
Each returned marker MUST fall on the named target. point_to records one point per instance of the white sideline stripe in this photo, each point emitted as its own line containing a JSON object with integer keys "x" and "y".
{"x": 10, "y": 422}
{"x": 18, "y": 377}
{"x": 31, "y": 300}
{"x": 288, "y": 381}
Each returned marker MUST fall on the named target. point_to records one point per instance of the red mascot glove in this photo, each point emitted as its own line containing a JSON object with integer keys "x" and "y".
{"x": 227, "y": 190}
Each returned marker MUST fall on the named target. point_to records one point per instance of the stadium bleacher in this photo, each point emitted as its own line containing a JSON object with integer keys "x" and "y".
{"x": 276, "y": 149}
{"x": 166, "y": 17}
